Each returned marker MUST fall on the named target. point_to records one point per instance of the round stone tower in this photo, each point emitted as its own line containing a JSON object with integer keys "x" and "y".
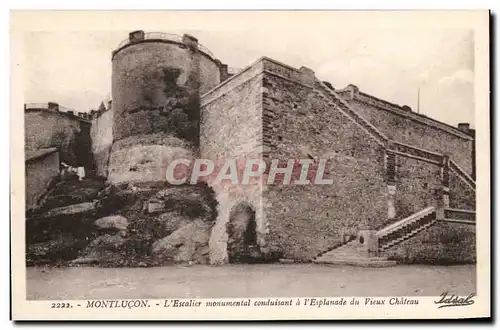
{"x": 157, "y": 81}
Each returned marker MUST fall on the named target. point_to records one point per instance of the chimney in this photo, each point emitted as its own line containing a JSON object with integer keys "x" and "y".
{"x": 53, "y": 106}
{"x": 224, "y": 74}
{"x": 353, "y": 90}
{"x": 308, "y": 76}
{"x": 190, "y": 41}
{"x": 136, "y": 36}
{"x": 464, "y": 127}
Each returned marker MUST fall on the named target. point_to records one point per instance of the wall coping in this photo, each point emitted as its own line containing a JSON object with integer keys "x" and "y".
{"x": 229, "y": 84}
{"x": 46, "y": 107}
{"x": 431, "y": 157}
{"x": 262, "y": 65}
{"x": 31, "y": 156}
{"x": 354, "y": 93}
{"x": 167, "y": 38}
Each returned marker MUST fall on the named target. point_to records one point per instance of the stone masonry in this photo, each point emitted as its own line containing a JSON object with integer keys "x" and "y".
{"x": 173, "y": 99}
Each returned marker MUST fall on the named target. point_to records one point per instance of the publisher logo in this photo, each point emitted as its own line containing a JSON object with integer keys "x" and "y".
{"x": 454, "y": 301}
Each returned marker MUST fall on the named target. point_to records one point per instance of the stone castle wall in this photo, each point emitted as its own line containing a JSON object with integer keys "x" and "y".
{"x": 284, "y": 117}
{"x": 157, "y": 85}
{"x": 401, "y": 125}
{"x": 53, "y": 129}
{"x": 418, "y": 185}
{"x": 42, "y": 167}
{"x": 231, "y": 128}
{"x": 306, "y": 220}
{"x": 168, "y": 104}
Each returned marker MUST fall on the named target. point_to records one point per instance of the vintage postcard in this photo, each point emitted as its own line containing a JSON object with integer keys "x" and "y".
{"x": 250, "y": 165}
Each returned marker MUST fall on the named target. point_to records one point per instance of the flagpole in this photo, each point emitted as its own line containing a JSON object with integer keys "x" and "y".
{"x": 418, "y": 100}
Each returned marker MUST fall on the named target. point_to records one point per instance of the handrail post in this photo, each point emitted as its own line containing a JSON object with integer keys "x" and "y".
{"x": 390, "y": 172}
{"x": 445, "y": 181}
{"x": 370, "y": 242}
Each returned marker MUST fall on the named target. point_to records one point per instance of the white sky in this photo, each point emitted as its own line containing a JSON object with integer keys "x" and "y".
{"x": 74, "y": 68}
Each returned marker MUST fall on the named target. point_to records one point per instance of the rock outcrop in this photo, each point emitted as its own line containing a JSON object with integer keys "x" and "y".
{"x": 189, "y": 244}
{"x": 145, "y": 224}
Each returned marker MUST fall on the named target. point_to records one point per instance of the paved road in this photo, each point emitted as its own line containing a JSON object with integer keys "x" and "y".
{"x": 247, "y": 281}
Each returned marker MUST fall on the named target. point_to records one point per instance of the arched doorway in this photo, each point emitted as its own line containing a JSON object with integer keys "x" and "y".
{"x": 242, "y": 244}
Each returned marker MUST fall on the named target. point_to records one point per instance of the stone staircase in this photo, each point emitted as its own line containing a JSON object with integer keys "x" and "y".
{"x": 352, "y": 253}
{"x": 406, "y": 228}
{"x": 366, "y": 248}
{"x": 408, "y": 234}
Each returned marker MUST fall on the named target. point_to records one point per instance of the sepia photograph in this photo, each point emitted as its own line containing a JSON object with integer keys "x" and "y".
{"x": 196, "y": 161}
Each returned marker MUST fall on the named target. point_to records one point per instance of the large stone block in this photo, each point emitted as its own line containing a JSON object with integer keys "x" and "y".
{"x": 117, "y": 222}
{"x": 184, "y": 244}
{"x": 71, "y": 210}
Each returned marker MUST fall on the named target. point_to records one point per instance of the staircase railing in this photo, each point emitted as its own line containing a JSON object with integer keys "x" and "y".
{"x": 357, "y": 118}
{"x": 399, "y": 148}
{"x": 460, "y": 216}
{"x": 462, "y": 174}
{"x": 415, "y": 216}
{"x": 417, "y": 153}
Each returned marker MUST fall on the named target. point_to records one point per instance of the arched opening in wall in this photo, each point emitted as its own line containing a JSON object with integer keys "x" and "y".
{"x": 242, "y": 244}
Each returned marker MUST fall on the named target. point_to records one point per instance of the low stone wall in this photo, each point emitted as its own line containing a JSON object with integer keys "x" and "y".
{"x": 42, "y": 167}
{"x": 49, "y": 129}
{"x": 444, "y": 243}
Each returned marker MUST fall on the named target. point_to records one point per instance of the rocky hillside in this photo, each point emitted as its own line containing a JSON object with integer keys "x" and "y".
{"x": 145, "y": 224}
